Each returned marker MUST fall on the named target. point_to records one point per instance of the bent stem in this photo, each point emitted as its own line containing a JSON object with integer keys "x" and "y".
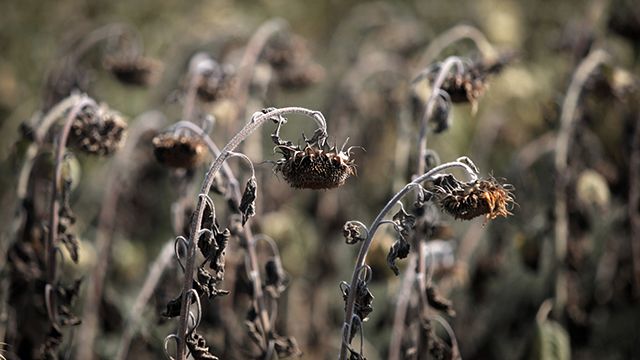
{"x": 563, "y": 144}
{"x": 257, "y": 120}
{"x": 366, "y": 245}
{"x": 455, "y": 34}
{"x": 250, "y": 57}
{"x": 104, "y": 233}
{"x": 56, "y": 184}
{"x": 447, "y": 65}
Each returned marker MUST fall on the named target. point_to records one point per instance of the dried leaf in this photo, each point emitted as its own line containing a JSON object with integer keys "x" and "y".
{"x": 439, "y": 302}
{"x": 352, "y": 234}
{"x": 198, "y": 347}
{"x": 286, "y": 346}
{"x": 276, "y": 278}
{"x": 399, "y": 250}
{"x": 248, "y": 202}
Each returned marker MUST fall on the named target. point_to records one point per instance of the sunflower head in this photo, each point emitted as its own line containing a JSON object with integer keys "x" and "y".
{"x": 315, "y": 166}
{"x": 98, "y": 131}
{"x": 179, "y": 150}
{"x": 467, "y": 200}
{"x": 134, "y": 70}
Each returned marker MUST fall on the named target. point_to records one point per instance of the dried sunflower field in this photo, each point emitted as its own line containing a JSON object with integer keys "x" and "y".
{"x": 320, "y": 180}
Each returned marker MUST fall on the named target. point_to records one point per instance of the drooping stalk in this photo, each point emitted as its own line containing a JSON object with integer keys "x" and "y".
{"x": 216, "y": 165}
{"x": 366, "y": 244}
{"x": 250, "y": 57}
{"x": 447, "y": 65}
{"x": 455, "y": 34}
{"x": 563, "y": 144}
{"x": 62, "y": 138}
{"x": 104, "y": 233}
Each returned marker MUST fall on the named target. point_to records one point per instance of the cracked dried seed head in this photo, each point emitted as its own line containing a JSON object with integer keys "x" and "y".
{"x": 179, "y": 151}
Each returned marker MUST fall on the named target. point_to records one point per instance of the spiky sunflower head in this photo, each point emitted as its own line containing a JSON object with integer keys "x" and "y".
{"x": 179, "y": 150}
{"x": 134, "y": 70}
{"x": 315, "y": 166}
{"x": 467, "y": 200}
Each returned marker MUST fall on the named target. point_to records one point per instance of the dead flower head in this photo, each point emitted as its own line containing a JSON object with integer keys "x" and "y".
{"x": 286, "y": 49}
{"x": 134, "y": 70}
{"x": 316, "y": 166}
{"x": 99, "y": 131}
{"x": 179, "y": 150}
{"x": 291, "y": 59}
{"x": 470, "y": 84}
{"x": 467, "y": 200}
{"x": 216, "y": 84}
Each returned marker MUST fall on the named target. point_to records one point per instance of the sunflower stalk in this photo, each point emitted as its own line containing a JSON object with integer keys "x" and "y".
{"x": 256, "y": 121}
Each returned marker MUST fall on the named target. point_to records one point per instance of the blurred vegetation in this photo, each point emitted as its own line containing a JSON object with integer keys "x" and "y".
{"x": 370, "y": 52}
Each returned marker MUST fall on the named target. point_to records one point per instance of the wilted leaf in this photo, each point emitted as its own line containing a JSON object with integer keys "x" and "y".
{"x": 248, "y": 202}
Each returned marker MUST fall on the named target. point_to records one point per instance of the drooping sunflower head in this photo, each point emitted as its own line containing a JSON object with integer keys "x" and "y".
{"x": 467, "y": 200}
{"x": 316, "y": 166}
{"x": 179, "y": 150}
{"x": 134, "y": 70}
{"x": 99, "y": 131}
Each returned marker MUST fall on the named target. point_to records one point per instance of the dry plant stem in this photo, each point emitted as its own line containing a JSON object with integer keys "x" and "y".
{"x": 250, "y": 57}
{"x": 447, "y": 65}
{"x": 421, "y": 282}
{"x": 47, "y": 121}
{"x": 366, "y": 244}
{"x": 634, "y": 204}
{"x": 455, "y": 34}
{"x": 249, "y": 128}
{"x": 104, "y": 33}
{"x": 56, "y": 184}
{"x": 104, "y": 233}
{"x": 400, "y": 315}
{"x": 190, "y": 100}
{"x": 215, "y": 151}
{"x": 151, "y": 282}
{"x": 563, "y": 144}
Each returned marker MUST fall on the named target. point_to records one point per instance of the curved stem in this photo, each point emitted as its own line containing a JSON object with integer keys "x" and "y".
{"x": 56, "y": 184}
{"x": 455, "y": 34}
{"x": 563, "y": 144}
{"x": 104, "y": 233}
{"x": 250, "y": 57}
{"x": 366, "y": 245}
{"x": 249, "y": 128}
{"x": 447, "y": 65}
{"x": 104, "y": 33}
{"x": 215, "y": 151}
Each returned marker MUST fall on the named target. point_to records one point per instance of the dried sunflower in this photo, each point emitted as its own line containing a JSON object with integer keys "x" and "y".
{"x": 134, "y": 70}
{"x": 179, "y": 150}
{"x": 467, "y": 200}
{"x": 469, "y": 85}
{"x": 214, "y": 85}
{"x": 285, "y": 50}
{"x": 316, "y": 166}
{"x": 98, "y": 131}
